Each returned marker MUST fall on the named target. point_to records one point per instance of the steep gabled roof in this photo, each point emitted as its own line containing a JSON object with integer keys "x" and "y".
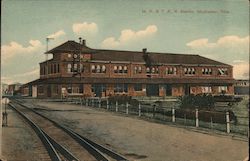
{"x": 70, "y": 46}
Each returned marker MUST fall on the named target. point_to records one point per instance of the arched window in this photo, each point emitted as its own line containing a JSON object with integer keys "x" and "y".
{"x": 135, "y": 70}
{"x": 81, "y": 67}
{"x": 185, "y": 70}
{"x": 139, "y": 69}
{"x": 98, "y": 69}
{"x": 175, "y": 71}
{"x": 103, "y": 69}
{"x": 125, "y": 69}
{"x": 120, "y": 69}
{"x": 210, "y": 71}
{"x": 148, "y": 70}
{"x": 93, "y": 68}
{"x": 69, "y": 68}
{"x": 193, "y": 71}
{"x": 115, "y": 69}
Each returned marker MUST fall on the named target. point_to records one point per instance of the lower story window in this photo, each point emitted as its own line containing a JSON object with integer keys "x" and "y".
{"x": 40, "y": 89}
{"x": 138, "y": 87}
{"x": 222, "y": 89}
{"x": 73, "y": 89}
{"x": 205, "y": 89}
{"x": 120, "y": 88}
{"x": 55, "y": 89}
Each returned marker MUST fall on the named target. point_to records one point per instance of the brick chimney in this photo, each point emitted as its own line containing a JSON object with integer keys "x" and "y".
{"x": 144, "y": 50}
{"x": 84, "y": 42}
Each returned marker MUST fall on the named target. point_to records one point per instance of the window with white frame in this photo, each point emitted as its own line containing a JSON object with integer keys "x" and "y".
{"x": 222, "y": 71}
{"x": 206, "y": 71}
{"x": 69, "y": 68}
{"x": 222, "y": 89}
{"x": 98, "y": 68}
{"x": 171, "y": 70}
{"x": 189, "y": 71}
{"x": 103, "y": 69}
{"x": 137, "y": 69}
{"x": 152, "y": 70}
{"x": 115, "y": 69}
{"x": 122, "y": 69}
{"x": 206, "y": 89}
{"x": 75, "y": 67}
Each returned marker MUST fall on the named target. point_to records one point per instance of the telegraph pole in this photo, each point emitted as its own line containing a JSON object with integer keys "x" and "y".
{"x": 47, "y": 49}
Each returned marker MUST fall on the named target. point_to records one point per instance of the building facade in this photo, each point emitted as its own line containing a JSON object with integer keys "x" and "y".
{"x": 241, "y": 87}
{"x": 76, "y": 69}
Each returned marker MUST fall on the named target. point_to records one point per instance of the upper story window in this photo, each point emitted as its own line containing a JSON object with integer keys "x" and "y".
{"x": 120, "y": 69}
{"x": 171, "y": 70}
{"x": 206, "y": 71}
{"x": 58, "y": 68}
{"x": 222, "y": 71}
{"x": 189, "y": 71}
{"x": 137, "y": 69}
{"x": 69, "y": 68}
{"x": 69, "y": 55}
{"x": 98, "y": 68}
{"x": 152, "y": 70}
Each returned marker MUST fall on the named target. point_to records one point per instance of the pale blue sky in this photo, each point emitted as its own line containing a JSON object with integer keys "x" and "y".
{"x": 222, "y": 35}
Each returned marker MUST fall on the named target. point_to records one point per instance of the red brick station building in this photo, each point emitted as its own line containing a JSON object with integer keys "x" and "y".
{"x": 78, "y": 70}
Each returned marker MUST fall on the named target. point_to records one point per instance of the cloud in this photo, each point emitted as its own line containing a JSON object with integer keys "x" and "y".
{"x": 14, "y": 49}
{"x": 231, "y": 49}
{"x": 56, "y": 34}
{"x": 128, "y": 35}
{"x": 241, "y": 70}
{"x": 85, "y": 27}
{"x": 232, "y": 41}
{"x": 21, "y": 78}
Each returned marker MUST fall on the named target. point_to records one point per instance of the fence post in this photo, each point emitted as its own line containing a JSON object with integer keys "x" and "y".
{"x": 99, "y": 103}
{"x": 154, "y": 110}
{"x": 211, "y": 122}
{"x": 81, "y": 101}
{"x": 127, "y": 108}
{"x": 116, "y": 106}
{"x": 173, "y": 115}
{"x": 228, "y": 122}
{"x": 196, "y": 118}
{"x": 107, "y": 104}
{"x": 86, "y": 102}
{"x": 185, "y": 119}
{"x": 139, "y": 106}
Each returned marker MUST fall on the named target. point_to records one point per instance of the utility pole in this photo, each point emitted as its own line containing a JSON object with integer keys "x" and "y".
{"x": 77, "y": 60}
{"x": 47, "y": 49}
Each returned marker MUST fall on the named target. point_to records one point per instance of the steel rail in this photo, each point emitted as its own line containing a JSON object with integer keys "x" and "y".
{"x": 94, "y": 149}
{"x": 83, "y": 140}
{"x": 49, "y": 147}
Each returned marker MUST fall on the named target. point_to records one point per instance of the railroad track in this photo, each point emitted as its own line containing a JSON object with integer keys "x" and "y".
{"x": 61, "y": 142}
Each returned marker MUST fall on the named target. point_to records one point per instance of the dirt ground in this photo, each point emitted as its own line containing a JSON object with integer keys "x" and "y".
{"x": 142, "y": 140}
{"x": 19, "y": 142}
